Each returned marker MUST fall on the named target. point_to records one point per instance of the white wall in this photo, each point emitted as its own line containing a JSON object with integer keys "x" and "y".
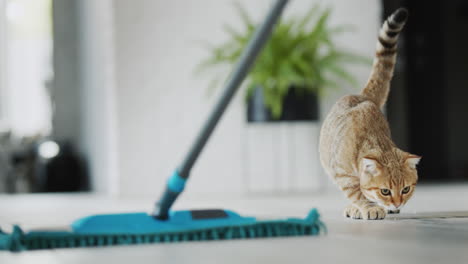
{"x": 98, "y": 134}
{"x": 3, "y": 102}
{"x": 161, "y": 104}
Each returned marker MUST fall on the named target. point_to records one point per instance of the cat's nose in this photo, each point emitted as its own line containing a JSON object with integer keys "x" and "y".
{"x": 397, "y": 205}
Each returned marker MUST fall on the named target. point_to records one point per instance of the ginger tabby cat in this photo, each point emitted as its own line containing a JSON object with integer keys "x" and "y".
{"x": 356, "y": 148}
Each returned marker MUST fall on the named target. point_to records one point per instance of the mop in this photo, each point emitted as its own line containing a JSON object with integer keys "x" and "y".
{"x": 164, "y": 225}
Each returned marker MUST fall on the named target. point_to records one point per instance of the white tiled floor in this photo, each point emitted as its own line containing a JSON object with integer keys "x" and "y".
{"x": 433, "y": 228}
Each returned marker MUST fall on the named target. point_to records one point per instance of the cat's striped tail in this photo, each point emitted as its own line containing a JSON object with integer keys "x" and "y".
{"x": 378, "y": 86}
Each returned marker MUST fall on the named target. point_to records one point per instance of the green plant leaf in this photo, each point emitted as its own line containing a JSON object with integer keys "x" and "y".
{"x": 235, "y": 36}
{"x": 245, "y": 17}
{"x": 300, "y": 53}
{"x": 305, "y": 20}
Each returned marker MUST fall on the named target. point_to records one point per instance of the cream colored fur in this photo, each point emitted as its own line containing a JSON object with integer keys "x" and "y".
{"x": 356, "y": 149}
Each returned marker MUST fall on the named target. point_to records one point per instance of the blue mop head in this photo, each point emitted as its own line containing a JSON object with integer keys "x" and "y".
{"x": 139, "y": 228}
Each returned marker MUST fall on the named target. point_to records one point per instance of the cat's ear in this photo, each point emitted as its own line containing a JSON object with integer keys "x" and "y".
{"x": 413, "y": 160}
{"x": 370, "y": 165}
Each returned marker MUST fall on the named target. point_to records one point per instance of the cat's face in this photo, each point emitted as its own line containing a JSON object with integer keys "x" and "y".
{"x": 390, "y": 186}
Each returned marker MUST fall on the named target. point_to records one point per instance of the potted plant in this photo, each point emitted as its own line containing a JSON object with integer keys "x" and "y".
{"x": 299, "y": 62}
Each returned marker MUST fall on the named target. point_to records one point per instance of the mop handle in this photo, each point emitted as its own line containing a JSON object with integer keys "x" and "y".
{"x": 176, "y": 182}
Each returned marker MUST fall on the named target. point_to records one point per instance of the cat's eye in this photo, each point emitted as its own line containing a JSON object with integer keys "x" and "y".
{"x": 406, "y": 189}
{"x": 385, "y": 191}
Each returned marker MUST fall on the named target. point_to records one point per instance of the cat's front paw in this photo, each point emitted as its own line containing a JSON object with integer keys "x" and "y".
{"x": 393, "y": 211}
{"x": 351, "y": 211}
{"x": 367, "y": 212}
{"x": 373, "y": 213}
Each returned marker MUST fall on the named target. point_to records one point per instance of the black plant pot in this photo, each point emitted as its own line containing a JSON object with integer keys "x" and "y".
{"x": 65, "y": 172}
{"x": 297, "y": 106}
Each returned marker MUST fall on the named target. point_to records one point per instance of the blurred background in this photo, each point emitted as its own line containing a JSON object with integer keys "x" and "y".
{"x": 107, "y": 96}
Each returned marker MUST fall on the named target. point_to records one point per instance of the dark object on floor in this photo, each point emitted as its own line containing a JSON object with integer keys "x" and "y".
{"x": 59, "y": 168}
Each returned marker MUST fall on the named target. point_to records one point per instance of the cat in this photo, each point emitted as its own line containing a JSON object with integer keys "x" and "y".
{"x": 356, "y": 149}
